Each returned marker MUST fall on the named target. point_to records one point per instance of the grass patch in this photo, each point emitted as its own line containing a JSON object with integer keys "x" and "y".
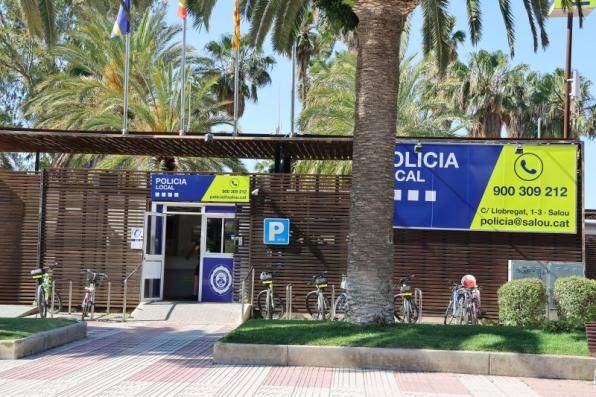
{"x": 419, "y": 336}
{"x": 16, "y": 328}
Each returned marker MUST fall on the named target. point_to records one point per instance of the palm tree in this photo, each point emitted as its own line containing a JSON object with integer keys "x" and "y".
{"x": 40, "y": 15}
{"x": 88, "y": 95}
{"x": 254, "y": 71}
{"x": 486, "y": 89}
{"x": 380, "y": 24}
{"x": 329, "y": 107}
{"x": 539, "y": 98}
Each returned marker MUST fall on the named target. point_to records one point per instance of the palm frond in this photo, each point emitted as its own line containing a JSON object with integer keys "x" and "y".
{"x": 507, "y": 14}
{"x": 474, "y": 20}
{"x": 435, "y": 28}
{"x": 39, "y": 17}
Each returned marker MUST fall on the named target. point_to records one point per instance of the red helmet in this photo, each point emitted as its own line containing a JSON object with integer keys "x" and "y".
{"x": 468, "y": 281}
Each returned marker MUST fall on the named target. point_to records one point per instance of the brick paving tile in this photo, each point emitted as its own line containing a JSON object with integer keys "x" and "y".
{"x": 560, "y": 388}
{"x": 431, "y": 383}
{"x": 165, "y": 359}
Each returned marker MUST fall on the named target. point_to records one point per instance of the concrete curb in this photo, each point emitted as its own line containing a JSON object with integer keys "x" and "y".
{"x": 13, "y": 349}
{"x": 464, "y": 362}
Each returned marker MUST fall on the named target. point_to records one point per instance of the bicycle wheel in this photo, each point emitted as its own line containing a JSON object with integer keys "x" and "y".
{"x": 57, "y": 303}
{"x": 262, "y": 303}
{"x": 310, "y": 302}
{"x": 415, "y": 312}
{"x": 340, "y": 307}
{"x": 85, "y": 306}
{"x": 460, "y": 314}
{"x": 278, "y": 310}
{"x": 397, "y": 308}
{"x": 40, "y": 298}
{"x": 323, "y": 307}
{"x": 473, "y": 313}
{"x": 448, "y": 319}
{"x": 406, "y": 311}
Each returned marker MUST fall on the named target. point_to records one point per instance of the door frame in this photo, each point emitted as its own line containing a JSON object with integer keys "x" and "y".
{"x": 155, "y": 207}
{"x": 153, "y": 257}
{"x": 204, "y": 253}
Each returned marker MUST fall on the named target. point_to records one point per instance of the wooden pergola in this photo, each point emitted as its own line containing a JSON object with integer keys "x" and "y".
{"x": 217, "y": 145}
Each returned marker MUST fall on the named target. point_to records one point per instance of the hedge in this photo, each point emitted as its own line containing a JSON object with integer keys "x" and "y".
{"x": 522, "y": 302}
{"x": 575, "y": 298}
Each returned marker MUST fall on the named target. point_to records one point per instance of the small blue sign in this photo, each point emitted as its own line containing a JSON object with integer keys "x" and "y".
{"x": 217, "y": 280}
{"x": 276, "y": 231}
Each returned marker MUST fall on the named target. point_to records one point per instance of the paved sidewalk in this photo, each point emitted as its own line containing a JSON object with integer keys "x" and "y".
{"x": 159, "y": 358}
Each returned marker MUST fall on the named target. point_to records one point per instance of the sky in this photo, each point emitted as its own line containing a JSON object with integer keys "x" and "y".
{"x": 273, "y": 107}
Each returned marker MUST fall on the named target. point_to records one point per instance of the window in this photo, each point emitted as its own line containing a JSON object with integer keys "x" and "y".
{"x": 214, "y": 235}
{"x": 221, "y": 233}
{"x": 229, "y": 235}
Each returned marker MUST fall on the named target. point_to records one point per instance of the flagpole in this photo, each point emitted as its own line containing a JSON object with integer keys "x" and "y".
{"x": 293, "y": 99}
{"x": 189, "y": 101}
{"x": 236, "y": 83}
{"x": 183, "y": 93}
{"x": 126, "y": 72}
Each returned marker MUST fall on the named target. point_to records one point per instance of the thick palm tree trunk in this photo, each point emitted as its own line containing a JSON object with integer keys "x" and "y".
{"x": 491, "y": 126}
{"x": 370, "y": 251}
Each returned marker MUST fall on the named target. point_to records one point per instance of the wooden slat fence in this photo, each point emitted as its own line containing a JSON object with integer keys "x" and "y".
{"x": 19, "y": 215}
{"x": 89, "y": 215}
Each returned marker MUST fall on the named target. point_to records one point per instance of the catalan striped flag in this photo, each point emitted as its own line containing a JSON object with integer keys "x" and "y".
{"x": 236, "y": 40}
{"x": 122, "y": 24}
{"x": 182, "y": 9}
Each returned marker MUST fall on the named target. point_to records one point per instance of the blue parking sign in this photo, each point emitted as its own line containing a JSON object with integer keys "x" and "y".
{"x": 276, "y": 231}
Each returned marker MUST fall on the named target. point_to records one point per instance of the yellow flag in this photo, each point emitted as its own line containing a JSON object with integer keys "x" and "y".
{"x": 236, "y": 40}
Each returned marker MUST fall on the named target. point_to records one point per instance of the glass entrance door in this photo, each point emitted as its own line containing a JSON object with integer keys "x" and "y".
{"x": 153, "y": 257}
{"x": 217, "y": 258}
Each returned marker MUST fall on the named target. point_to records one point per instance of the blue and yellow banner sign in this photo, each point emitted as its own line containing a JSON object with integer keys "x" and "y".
{"x": 200, "y": 188}
{"x": 508, "y": 187}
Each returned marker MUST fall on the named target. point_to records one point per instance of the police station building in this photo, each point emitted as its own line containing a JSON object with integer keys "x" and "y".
{"x": 495, "y": 209}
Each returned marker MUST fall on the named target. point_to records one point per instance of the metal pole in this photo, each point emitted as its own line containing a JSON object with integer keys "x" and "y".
{"x": 126, "y": 73}
{"x": 236, "y": 85}
{"x": 242, "y": 288}
{"x": 567, "y": 99}
{"x": 252, "y": 289}
{"x": 183, "y": 78}
{"x": 333, "y": 302}
{"x": 109, "y": 297}
{"x": 539, "y": 127}
{"x": 52, "y": 299}
{"x": 287, "y": 302}
{"x": 69, "y": 296}
{"x": 189, "y": 102}
{"x": 41, "y": 218}
{"x": 93, "y": 305}
{"x": 291, "y": 300}
{"x": 293, "y": 99}
{"x": 37, "y": 161}
{"x": 124, "y": 301}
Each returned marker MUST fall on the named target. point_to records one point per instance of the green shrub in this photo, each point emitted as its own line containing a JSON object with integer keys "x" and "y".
{"x": 575, "y": 298}
{"x": 522, "y": 302}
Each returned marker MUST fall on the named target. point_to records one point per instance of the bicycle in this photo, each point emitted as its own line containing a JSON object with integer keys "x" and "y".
{"x": 404, "y": 306}
{"x": 464, "y": 305}
{"x": 322, "y": 303}
{"x": 43, "y": 276}
{"x": 270, "y": 306}
{"x": 471, "y": 306}
{"x": 454, "y": 309}
{"x": 94, "y": 280}
{"x": 342, "y": 300}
